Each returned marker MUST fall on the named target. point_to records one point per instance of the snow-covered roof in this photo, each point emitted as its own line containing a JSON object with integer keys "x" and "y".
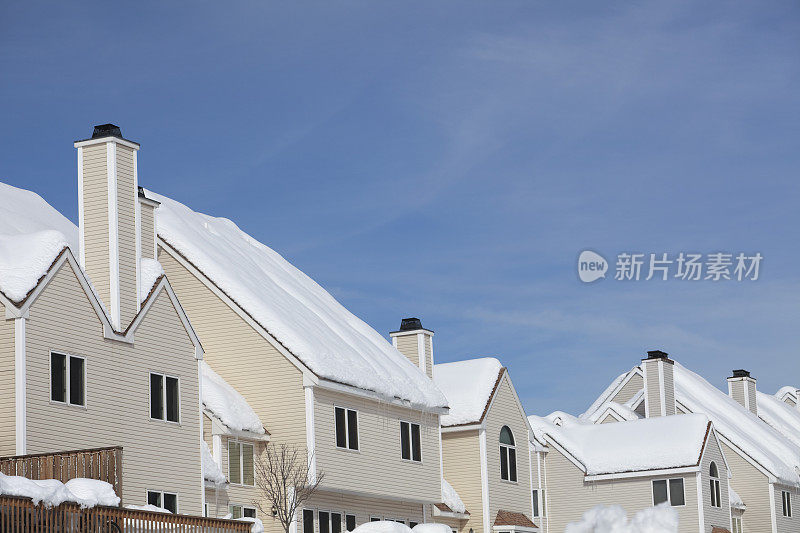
{"x": 32, "y": 235}
{"x": 332, "y": 342}
{"x": 765, "y": 445}
{"x": 622, "y": 411}
{"x": 735, "y": 499}
{"x": 451, "y": 498}
{"x": 737, "y": 424}
{"x": 786, "y": 389}
{"x": 630, "y": 446}
{"x": 226, "y": 404}
{"x": 211, "y": 470}
{"x": 606, "y": 394}
{"x": 784, "y": 418}
{"x": 468, "y": 386}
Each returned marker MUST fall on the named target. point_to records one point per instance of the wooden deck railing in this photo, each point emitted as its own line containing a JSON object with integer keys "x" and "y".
{"x": 19, "y": 515}
{"x": 104, "y": 464}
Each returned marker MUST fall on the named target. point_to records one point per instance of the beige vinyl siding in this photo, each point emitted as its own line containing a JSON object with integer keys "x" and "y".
{"x": 714, "y": 516}
{"x": 785, "y": 524}
{"x": 270, "y": 383}
{"x": 458, "y": 524}
{"x": 127, "y": 197}
{"x": 8, "y": 416}
{"x": 461, "y": 460}
{"x": 147, "y": 215}
{"x": 569, "y": 496}
{"x": 506, "y": 495}
{"x": 407, "y": 345}
{"x": 362, "y": 507}
{"x": 653, "y": 388}
{"x": 790, "y": 401}
{"x": 753, "y": 487}
{"x": 608, "y": 420}
{"x": 753, "y": 401}
{"x": 377, "y": 468}
{"x": 95, "y": 215}
{"x": 738, "y": 392}
{"x": 428, "y": 355}
{"x": 629, "y": 390}
{"x": 669, "y": 388}
{"x": 157, "y": 455}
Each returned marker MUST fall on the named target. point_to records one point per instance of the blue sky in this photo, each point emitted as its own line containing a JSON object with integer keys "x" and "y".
{"x": 449, "y": 160}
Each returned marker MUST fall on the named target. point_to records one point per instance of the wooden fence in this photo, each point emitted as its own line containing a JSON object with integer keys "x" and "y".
{"x": 104, "y": 464}
{"x": 19, "y": 515}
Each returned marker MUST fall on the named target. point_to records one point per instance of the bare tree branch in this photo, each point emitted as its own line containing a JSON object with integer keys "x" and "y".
{"x": 284, "y": 482}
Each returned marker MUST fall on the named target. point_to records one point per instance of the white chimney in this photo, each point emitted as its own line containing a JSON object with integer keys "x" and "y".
{"x": 659, "y": 384}
{"x": 742, "y": 388}
{"x": 109, "y": 215}
{"x": 147, "y": 225}
{"x": 416, "y": 343}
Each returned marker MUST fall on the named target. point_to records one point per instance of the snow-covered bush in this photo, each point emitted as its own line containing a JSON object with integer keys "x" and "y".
{"x": 614, "y": 519}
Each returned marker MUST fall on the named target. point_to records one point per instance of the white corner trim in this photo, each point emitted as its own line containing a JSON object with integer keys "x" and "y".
{"x": 700, "y": 502}
{"x": 216, "y": 441}
{"x": 645, "y": 372}
{"x": 20, "y": 387}
{"x": 441, "y": 458}
{"x": 394, "y": 341}
{"x": 432, "y": 363}
{"x": 662, "y": 389}
{"x": 484, "y": 480}
{"x": 774, "y": 513}
{"x": 81, "y": 214}
{"x": 421, "y": 356}
{"x": 200, "y": 426}
{"x": 310, "y": 435}
{"x": 113, "y": 234}
{"x": 137, "y": 216}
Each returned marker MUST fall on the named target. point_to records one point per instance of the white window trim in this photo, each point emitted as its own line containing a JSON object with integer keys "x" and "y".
{"x": 734, "y": 520}
{"x": 242, "y": 506}
{"x": 241, "y": 462}
{"x": 508, "y": 463}
{"x": 347, "y": 447}
{"x": 162, "y": 492}
{"x": 164, "y": 397}
{"x": 786, "y": 504}
{"x": 411, "y": 443}
{"x": 669, "y": 496}
{"x": 342, "y": 524}
{"x": 715, "y": 487}
{"x": 67, "y": 379}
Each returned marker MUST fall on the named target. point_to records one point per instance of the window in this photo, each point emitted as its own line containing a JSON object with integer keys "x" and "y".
{"x": 350, "y": 522}
{"x": 375, "y": 518}
{"x": 669, "y": 490}
{"x": 165, "y": 500}
{"x": 205, "y": 510}
{"x": 239, "y": 511}
{"x": 308, "y": 521}
{"x": 410, "y": 441}
{"x": 713, "y": 473}
{"x": 240, "y": 463}
{"x": 508, "y": 455}
{"x": 412, "y": 525}
{"x": 535, "y": 503}
{"x": 737, "y": 525}
{"x": 786, "y": 497}
{"x": 346, "y": 428}
{"x": 164, "y": 396}
{"x": 330, "y": 522}
{"x": 67, "y": 379}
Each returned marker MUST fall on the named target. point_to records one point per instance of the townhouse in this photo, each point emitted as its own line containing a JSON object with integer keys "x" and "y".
{"x": 676, "y": 461}
{"x": 486, "y": 453}
{"x": 317, "y": 377}
{"x": 764, "y": 463}
{"x": 95, "y": 349}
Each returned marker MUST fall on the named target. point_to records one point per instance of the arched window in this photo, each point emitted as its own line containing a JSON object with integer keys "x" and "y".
{"x": 508, "y": 455}
{"x": 713, "y": 473}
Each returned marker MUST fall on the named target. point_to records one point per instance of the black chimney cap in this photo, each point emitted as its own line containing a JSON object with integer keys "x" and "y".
{"x": 741, "y": 373}
{"x": 657, "y": 354}
{"x": 410, "y": 324}
{"x": 107, "y": 130}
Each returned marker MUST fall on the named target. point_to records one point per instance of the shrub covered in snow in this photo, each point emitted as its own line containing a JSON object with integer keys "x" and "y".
{"x": 614, "y": 519}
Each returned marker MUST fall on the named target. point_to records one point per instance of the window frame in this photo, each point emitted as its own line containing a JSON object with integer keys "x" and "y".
{"x": 411, "y": 442}
{"x": 714, "y": 486}
{"x": 67, "y": 360}
{"x": 242, "y": 508}
{"x": 535, "y": 513}
{"x": 669, "y": 493}
{"x": 241, "y": 443}
{"x": 165, "y": 409}
{"x": 786, "y": 503}
{"x": 347, "y": 447}
{"x": 508, "y": 448}
{"x": 161, "y": 494}
{"x": 737, "y": 520}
